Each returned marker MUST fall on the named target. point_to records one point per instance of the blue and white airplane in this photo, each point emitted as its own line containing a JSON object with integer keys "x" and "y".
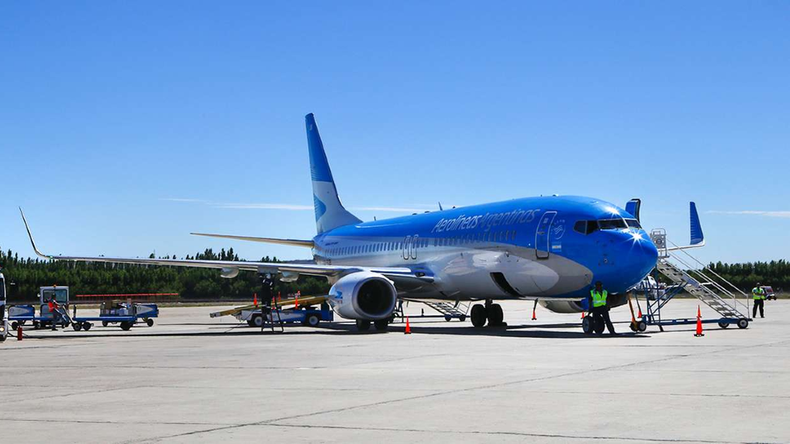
{"x": 547, "y": 248}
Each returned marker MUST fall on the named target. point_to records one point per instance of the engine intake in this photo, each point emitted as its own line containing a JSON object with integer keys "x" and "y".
{"x": 363, "y": 295}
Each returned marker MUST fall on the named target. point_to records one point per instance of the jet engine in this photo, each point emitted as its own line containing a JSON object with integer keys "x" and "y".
{"x": 363, "y": 295}
{"x": 613, "y": 300}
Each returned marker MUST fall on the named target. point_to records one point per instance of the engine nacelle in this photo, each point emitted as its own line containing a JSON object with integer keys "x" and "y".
{"x": 363, "y": 295}
{"x": 613, "y": 300}
{"x": 229, "y": 273}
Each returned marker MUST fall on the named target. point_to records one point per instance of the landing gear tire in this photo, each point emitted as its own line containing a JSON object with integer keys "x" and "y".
{"x": 257, "y": 321}
{"x": 381, "y": 325}
{"x": 478, "y": 315}
{"x": 587, "y": 325}
{"x": 598, "y": 325}
{"x": 363, "y": 325}
{"x": 743, "y": 323}
{"x": 312, "y": 321}
{"x": 724, "y": 324}
{"x": 495, "y": 315}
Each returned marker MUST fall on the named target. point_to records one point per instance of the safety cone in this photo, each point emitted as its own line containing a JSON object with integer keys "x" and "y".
{"x": 533, "y": 315}
{"x": 699, "y": 324}
{"x": 408, "y": 327}
{"x": 640, "y": 314}
{"x": 582, "y": 315}
{"x": 255, "y": 299}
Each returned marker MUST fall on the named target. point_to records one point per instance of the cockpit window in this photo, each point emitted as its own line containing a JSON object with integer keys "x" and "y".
{"x": 633, "y": 223}
{"x": 580, "y": 226}
{"x": 612, "y": 224}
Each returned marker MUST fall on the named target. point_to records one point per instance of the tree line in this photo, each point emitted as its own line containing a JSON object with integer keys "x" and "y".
{"x": 25, "y": 275}
{"x": 746, "y": 275}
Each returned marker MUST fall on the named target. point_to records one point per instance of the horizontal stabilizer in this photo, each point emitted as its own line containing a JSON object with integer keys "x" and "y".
{"x": 268, "y": 240}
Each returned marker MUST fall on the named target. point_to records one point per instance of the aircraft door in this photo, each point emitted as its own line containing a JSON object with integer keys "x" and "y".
{"x": 542, "y": 234}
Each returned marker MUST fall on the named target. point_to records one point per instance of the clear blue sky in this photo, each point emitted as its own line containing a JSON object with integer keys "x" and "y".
{"x": 126, "y": 125}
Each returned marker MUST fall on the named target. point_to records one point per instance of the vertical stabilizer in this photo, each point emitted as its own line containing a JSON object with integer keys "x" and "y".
{"x": 329, "y": 212}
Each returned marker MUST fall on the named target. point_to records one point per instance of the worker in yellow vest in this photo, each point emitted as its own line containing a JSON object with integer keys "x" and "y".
{"x": 600, "y": 309}
{"x": 758, "y": 293}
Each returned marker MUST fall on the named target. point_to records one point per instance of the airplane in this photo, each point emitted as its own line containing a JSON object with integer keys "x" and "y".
{"x": 552, "y": 249}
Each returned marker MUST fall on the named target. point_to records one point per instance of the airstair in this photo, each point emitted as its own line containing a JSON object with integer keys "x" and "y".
{"x": 450, "y": 311}
{"x": 690, "y": 275}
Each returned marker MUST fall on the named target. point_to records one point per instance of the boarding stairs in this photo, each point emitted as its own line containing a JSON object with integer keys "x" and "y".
{"x": 697, "y": 279}
{"x": 457, "y": 310}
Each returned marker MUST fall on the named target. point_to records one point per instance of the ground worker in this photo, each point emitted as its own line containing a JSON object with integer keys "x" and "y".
{"x": 600, "y": 310}
{"x": 758, "y": 292}
{"x": 52, "y": 305}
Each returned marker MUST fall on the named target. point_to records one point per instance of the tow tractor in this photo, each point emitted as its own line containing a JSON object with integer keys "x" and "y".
{"x": 302, "y": 312}
{"x": 21, "y": 314}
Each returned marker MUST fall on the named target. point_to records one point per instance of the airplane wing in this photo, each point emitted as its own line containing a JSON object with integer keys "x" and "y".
{"x": 269, "y": 240}
{"x": 289, "y": 271}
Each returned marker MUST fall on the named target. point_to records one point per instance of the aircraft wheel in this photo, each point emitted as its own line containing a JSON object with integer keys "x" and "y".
{"x": 257, "y": 320}
{"x": 381, "y": 325}
{"x": 76, "y": 326}
{"x": 478, "y": 315}
{"x": 641, "y": 326}
{"x": 312, "y": 320}
{"x": 743, "y": 323}
{"x": 495, "y": 315}
{"x": 587, "y": 325}
{"x": 149, "y": 322}
{"x": 598, "y": 325}
{"x": 363, "y": 324}
{"x": 87, "y": 326}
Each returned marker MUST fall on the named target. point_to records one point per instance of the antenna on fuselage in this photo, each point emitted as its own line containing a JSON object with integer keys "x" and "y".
{"x": 440, "y": 207}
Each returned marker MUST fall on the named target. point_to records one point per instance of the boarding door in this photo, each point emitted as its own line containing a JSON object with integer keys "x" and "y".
{"x": 542, "y": 234}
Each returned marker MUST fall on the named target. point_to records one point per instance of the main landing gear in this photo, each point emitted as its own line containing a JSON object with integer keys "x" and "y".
{"x": 490, "y": 312}
{"x": 380, "y": 325}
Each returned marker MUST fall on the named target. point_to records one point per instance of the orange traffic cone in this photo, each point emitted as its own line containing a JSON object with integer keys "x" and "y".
{"x": 408, "y": 327}
{"x": 582, "y": 315}
{"x": 699, "y": 324}
{"x": 640, "y": 314}
{"x": 255, "y": 299}
{"x": 533, "y": 315}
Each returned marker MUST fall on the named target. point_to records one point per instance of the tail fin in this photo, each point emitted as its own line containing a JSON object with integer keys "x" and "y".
{"x": 329, "y": 212}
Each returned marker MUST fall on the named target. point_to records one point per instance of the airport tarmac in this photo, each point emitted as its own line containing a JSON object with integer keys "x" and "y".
{"x": 195, "y": 379}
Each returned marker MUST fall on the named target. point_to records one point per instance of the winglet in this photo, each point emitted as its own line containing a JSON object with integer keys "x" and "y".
{"x": 697, "y": 237}
{"x": 30, "y": 235}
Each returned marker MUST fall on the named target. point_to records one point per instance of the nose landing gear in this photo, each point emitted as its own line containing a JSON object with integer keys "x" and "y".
{"x": 490, "y": 312}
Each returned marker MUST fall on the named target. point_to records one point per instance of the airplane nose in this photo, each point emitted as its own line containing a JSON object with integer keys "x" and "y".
{"x": 632, "y": 256}
{"x": 643, "y": 255}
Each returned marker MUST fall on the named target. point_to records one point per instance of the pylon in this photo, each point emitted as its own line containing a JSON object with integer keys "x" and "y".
{"x": 582, "y": 315}
{"x": 699, "y": 324}
{"x": 255, "y": 299}
{"x": 408, "y": 327}
{"x": 640, "y": 313}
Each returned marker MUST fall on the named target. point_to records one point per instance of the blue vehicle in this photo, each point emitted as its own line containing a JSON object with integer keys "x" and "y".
{"x": 22, "y": 314}
{"x": 549, "y": 248}
{"x": 124, "y": 314}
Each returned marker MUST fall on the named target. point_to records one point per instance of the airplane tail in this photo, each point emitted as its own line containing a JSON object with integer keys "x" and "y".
{"x": 329, "y": 212}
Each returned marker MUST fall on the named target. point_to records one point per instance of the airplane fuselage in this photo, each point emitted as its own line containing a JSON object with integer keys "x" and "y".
{"x": 538, "y": 247}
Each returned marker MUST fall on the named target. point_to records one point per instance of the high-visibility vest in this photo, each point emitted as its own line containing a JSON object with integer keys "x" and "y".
{"x": 758, "y": 293}
{"x": 598, "y": 299}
